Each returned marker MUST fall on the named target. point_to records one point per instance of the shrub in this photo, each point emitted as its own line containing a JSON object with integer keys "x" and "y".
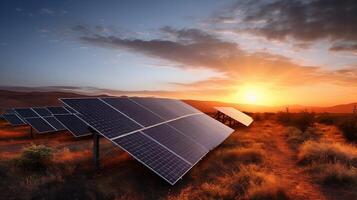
{"x": 244, "y": 156}
{"x": 321, "y": 152}
{"x": 284, "y": 118}
{"x": 35, "y": 157}
{"x": 338, "y": 175}
{"x": 301, "y": 120}
{"x": 304, "y": 120}
{"x": 296, "y": 137}
{"x": 349, "y": 128}
{"x": 326, "y": 118}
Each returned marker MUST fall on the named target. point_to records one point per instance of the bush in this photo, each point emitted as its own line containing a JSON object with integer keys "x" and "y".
{"x": 35, "y": 157}
{"x": 349, "y": 128}
{"x": 301, "y": 120}
{"x": 326, "y": 118}
{"x": 338, "y": 175}
{"x": 321, "y": 152}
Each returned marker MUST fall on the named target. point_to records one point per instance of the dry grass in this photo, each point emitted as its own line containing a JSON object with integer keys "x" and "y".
{"x": 295, "y": 137}
{"x": 322, "y": 152}
{"x": 250, "y": 182}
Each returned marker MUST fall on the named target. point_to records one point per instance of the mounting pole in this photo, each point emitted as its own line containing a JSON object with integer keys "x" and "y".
{"x": 31, "y": 133}
{"x": 96, "y": 150}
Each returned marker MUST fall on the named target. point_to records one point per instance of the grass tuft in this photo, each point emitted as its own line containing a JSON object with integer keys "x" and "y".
{"x": 321, "y": 152}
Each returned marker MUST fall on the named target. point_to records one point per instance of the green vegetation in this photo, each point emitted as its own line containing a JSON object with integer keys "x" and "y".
{"x": 35, "y": 158}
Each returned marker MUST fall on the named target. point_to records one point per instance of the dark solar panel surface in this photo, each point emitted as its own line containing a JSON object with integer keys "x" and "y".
{"x": 75, "y": 125}
{"x": 55, "y": 123}
{"x": 70, "y": 110}
{"x": 102, "y": 117}
{"x": 43, "y": 112}
{"x": 40, "y": 125}
{"x": 202, "y": 130}
{"x": 57, "y": 110}
{"x": 153, "y": 155}
{"x": 13, "y": 119}
{"x": 138, "y": 113}
{"x": 177, "y": 142}
{"x": 166, "y": 108}
{"x": 26, "y": 112}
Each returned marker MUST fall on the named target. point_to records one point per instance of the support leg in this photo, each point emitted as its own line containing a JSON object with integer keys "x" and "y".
{"x": 96, "y": 150}
{"x": 31, "y": 132}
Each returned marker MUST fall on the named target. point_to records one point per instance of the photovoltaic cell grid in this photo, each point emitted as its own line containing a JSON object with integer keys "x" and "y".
{"x": 57, "y": 110}
{"x": 40, "y": 125}
{"x": 54, "y": 123}
{"x": 73, "y": 124}
{"x": 13, "y": 119}
{"x": 40, "y": 118}
{"x": 236, "y": 115}
{"x": 43, "y": 112}
{"x": 163, "y": 134}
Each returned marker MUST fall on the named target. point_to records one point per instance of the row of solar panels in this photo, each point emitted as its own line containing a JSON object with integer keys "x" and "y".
{"x": 167, "y": 136}
{"x": 48, "y": 119}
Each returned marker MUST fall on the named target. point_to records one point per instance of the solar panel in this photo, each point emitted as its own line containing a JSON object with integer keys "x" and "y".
{"x": 135, "y": 111}
{"x": 75, "y": 125}
{"x": 202, "y": 129}
{"x": 40, "y": 125}
{"x": 54, "y": 123}
{"x": 57, "y": 110}
{"x": 236, "y": 115}
{"x": 25, "y": 112}
{"x": 166, "y": 108}
{"x": 168, "y": 136}
{"x": 71, "y": 110}
{"x": 102, "y": 117}
{"x": 182, "y": 145}
{"x": 153, "y": 155}
{"x": 43, "y": 112}
{"x": 13, "y": 119}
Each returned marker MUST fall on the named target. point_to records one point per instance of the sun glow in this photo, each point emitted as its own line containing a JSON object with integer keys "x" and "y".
{"x": 253, "y": 94}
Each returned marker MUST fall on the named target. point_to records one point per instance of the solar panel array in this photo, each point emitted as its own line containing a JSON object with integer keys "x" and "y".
{"x": 236, "y": 115}
{"x": 168, "y": 136}
{"x": 43, "y": 119}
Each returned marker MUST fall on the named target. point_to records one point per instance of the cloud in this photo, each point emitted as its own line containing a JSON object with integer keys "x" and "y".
{"x": 345, "y": 47}
{"x": 196, "y": 49}
{"x": 303, "y": 21}
{"x": 46, "y": 11}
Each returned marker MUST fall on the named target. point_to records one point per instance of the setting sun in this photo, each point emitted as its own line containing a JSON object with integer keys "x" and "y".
{"x": 254, "y": 94}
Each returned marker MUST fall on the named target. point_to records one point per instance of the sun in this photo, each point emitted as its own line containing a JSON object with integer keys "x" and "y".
{"x": 252, "y": 94}
{"x": 251, "y": 97}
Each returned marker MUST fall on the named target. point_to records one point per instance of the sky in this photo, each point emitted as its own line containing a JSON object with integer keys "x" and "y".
{"x": 266, "y": 52}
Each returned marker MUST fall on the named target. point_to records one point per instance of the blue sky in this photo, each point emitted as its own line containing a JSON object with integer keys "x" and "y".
{"x": 211, "y": 50}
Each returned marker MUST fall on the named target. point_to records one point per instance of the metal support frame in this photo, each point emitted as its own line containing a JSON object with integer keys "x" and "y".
{"x": 96, "y": 144}
{"x": 31, "y": 132}
{"x": 224, "y": 119}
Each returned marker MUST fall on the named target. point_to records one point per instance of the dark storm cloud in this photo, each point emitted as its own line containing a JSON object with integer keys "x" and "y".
{"x": 305, "y": 21}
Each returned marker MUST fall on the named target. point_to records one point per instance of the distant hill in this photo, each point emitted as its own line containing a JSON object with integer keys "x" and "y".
{"x": 9, "y": 99}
